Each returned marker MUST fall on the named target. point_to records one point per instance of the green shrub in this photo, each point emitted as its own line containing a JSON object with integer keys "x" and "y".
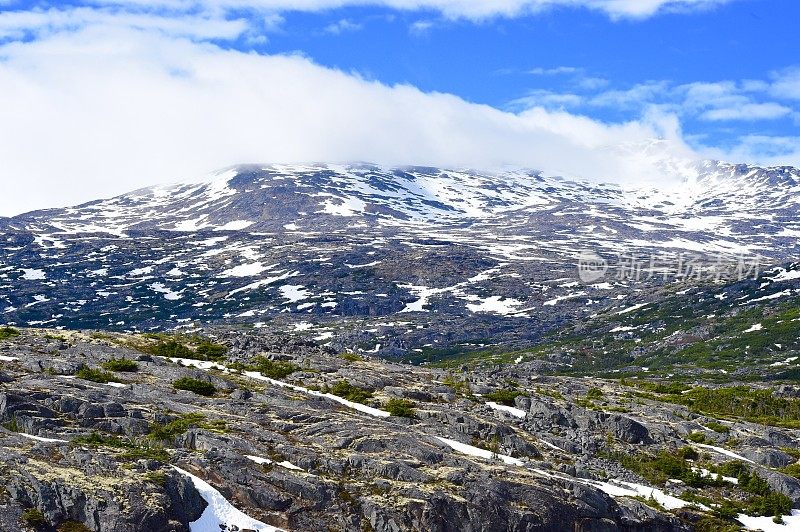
{"x": 130, "y": 450}
{"x": 72, "y": 526}
{"x": 401, "y": 408}
{"x": 793, "y": 470}
{"x": 351, "y": 357}
{"x": 594, "y": 394}
{"x": 772, "y": 503}
{"x": 159, "y": 478}
{"x": 96, "y": 375}
{"x": 173, "y": 349}
{"x": 504, "y": 397}
{"x": 8, "y": 332}
{"x": 210, "y": 350}
{"x": 272, "y": 368}
{"x": 459, "y": 386}
{"x": 176, "y": 427}
{"x": 718, "y": 427}
{"x": 34, "y": 517}
{"x": 350, "y": 392}
{"x": 120, "y": 364}
{"x": 195, "y": 385}
{"x": 696, "y": 437}
{"x": 687, "y": 453}
{"x": 664, "y": 466}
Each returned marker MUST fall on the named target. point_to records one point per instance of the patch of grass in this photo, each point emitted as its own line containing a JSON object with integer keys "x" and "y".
{"x": 8, "y": 332}
{"x": 710, "y": 523}
{"x": 12, "y": 424}
{"x": 96, "y": 375}
{"x": 128, "y": 449}
{"x": 159, "y": 478}
{"x": 504, "y": 397}
{"x": 718, "y": 427}
{"x": 210, "y": 350}
{"x": 793, "y": 470}
{"x": 179, "y": 346}
{"x": 274, "y": 369}
{"x": 120, "y": 364}
{"x": 401, "y": 408}
{"x": 350, "y": 392}
{"x": 34, "y": 517}
{"x": 664, "y": 466}
{"x": 594, "y": 394}
{"x": 459, "y": 386}
{"x": 351, "y": 357}
{"x": 687, "y": 453}
{"x": 72, "y": 526}
{"x": 197, "y": 386}
{"x": 168, "y": 431}
{"x": 555, "y": 394}
{"x": 764, "y": 501}
{"x": 696, "y": 437}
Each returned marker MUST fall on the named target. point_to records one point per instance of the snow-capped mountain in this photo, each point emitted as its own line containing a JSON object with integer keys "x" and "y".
{"x": 311, "y": 244}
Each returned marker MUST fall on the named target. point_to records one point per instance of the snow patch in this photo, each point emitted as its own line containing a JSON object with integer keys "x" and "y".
{"x": 220, "y": 514}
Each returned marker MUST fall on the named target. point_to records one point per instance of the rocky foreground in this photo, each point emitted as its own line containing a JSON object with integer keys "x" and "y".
{"x": 253, "y": 431}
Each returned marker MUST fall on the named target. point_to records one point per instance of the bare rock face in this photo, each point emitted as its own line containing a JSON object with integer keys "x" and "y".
{"x": 276, "y": 442}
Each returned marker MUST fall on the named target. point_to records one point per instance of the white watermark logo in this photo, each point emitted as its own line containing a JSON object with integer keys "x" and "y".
{"x": 591, "y": 267}
{"x": 679, "y": 267}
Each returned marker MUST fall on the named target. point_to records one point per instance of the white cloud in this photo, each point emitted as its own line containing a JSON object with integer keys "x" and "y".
{"x": 38, "y": 22}
{"x": 104, "y": 110}
{"x": 767, "y": 150}
{"x": 786, "y": 84}
{"x": 539, "y": 71}
{"x": 342, "y": 26}
{"x": 748, "y": 111}
{"x": 469, "y": 9}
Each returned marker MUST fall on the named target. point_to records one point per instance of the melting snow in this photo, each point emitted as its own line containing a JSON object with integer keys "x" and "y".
{"x": 285, "y": 463}
{"x": 785, "y": 275}
{"x": 766, "y": 524}
{"x": 168, "y": 294}
{"x": 756, "y": 327}
{"x": 236, "y": 225}
{"x": 629, "y": 489}
{"x": 480, "y": 453}
{"x": 245, "y": 270}
{"x": 516, "y": 412}
{"x": 294, "y": 293}
{"x": 32, "y": 274}
{"x": 40, "y": 438}
{"x": 355, "y": 406}
{"x": 726, "y": 452}
{"x": 220, "y": 514}
{"x": 495, "y": 304}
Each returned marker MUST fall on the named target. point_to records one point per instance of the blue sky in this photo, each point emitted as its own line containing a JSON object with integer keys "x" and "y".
{"x": 124, "y": 93}
{"x": 509, "y": 63}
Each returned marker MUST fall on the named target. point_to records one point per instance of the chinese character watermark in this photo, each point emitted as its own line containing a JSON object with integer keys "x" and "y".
{"x": 664, "y": 267}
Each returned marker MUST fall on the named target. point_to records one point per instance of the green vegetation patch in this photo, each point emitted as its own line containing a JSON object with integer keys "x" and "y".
{"x": 128, "y": 449}
{"x": 120, "y": 364}
{"x": 176, "y": 427}
{"x": 504, "y": 397}
{"x": 274, "y": 369}
{"x": 178, "y": 346}
{"x": 96, "y": 375}
{"x": 401, "y": 408}
{"x": 348, "y": 391}
{"x": 8, "y": 332}
{"x": 197, "y": 386}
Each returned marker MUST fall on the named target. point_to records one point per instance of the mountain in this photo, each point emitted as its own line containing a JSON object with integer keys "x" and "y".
{"x": 424, "y": 260}
{"x": 229, "y": 354}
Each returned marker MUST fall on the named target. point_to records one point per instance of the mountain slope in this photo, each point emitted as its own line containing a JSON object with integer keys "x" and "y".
{"x": 441, "y": 257}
